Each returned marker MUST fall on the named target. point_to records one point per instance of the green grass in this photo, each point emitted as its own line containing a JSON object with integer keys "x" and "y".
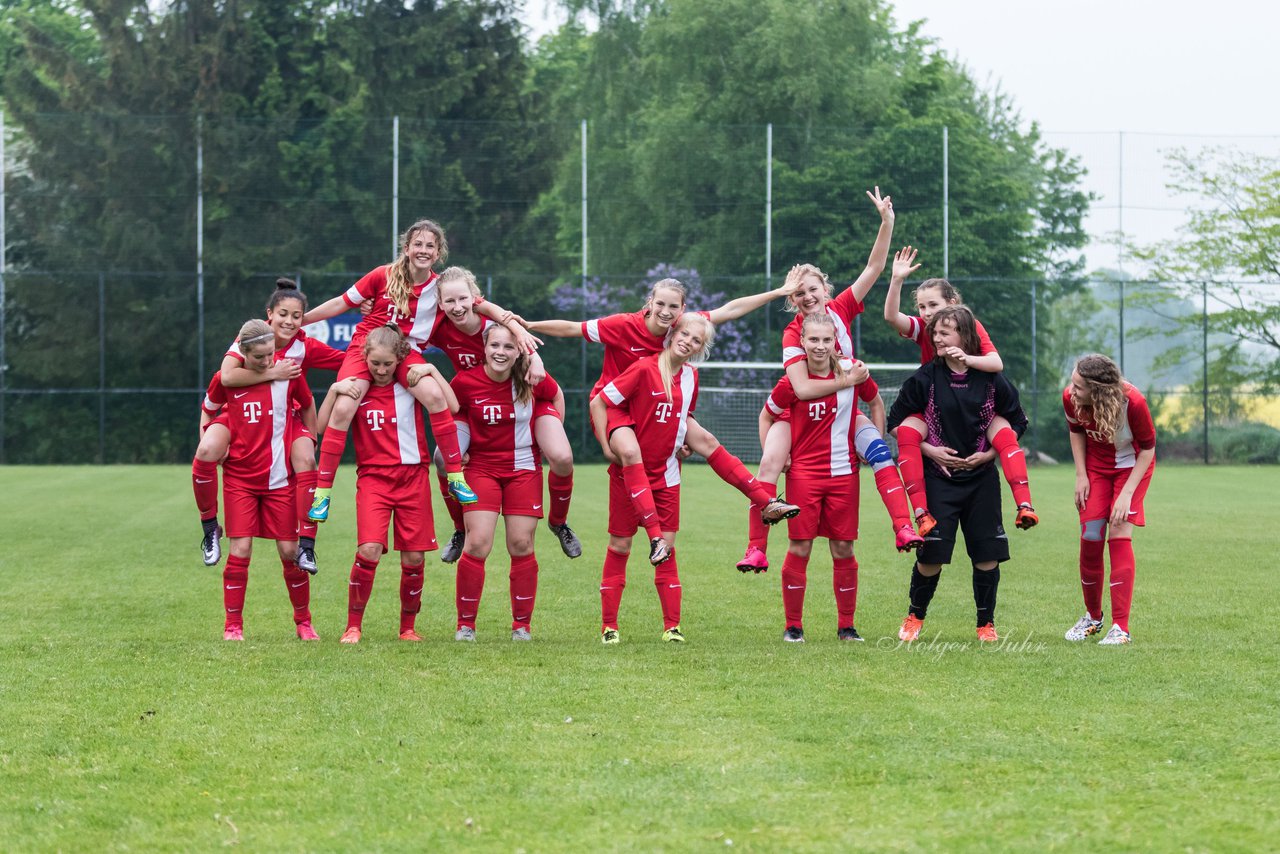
{"x": 127, "y": 723}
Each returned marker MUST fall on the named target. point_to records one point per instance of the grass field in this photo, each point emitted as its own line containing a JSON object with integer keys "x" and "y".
{"x": 127, "y": 723}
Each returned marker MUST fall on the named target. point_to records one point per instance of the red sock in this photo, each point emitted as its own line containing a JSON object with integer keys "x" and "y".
{"x": 410, "y": 595}
{"x": 889, "y": 485}
{"x": 524, "y": 589}
{"x": 446, "y": 436}
{"x": 299, "y": 586}
{"x": 305, "y": 492}
{"x": 470, "y": 584}
{"x": 666, "y": 578}
{"x": 612, "y": 581}
{"x": 560, "y": 487}
{"x": 1014, "y": 464}
{"x": 731, "y": 470}
{"x": 794, "y": 570}
{"x": 204, "y": 482}
{"x": 911, "y": 465}
{"x": 1091, "y": 575}
{"x": 331, "y": 448}
{"x": 358, "y": 589}
{"x": 757, "y": 530}
{"x": 1122, "y": 571}
{"x": 845, "y": 583}
{"x": 637, "y": 483}
{"x": 451, "y": 504}
{"x": 235, "y": 578}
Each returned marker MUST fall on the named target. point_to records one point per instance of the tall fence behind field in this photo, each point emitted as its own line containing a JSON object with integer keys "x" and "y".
{"x": 108, "y": 365}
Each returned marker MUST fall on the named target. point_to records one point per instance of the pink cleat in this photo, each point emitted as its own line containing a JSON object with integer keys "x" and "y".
{"x": 755, "y": 560}
{"x": 908, "y": 540}
{"x": 306, "y": 633}
{"x": 410, "y": 635}
{"x": 351, "y": 635}
{"x": 233, "y": 633}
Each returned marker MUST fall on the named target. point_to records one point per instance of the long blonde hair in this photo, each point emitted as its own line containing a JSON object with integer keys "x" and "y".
{"x": 833, "y": 358}
{"x": 806, "y": 270}
{"x": 1107, "y": 400}
{"x": 665, "y": 369}
{"x": 399, "y": 282}
{"x": 519, "y": 368}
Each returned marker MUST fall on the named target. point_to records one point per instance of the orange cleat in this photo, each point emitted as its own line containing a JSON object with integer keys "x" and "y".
{"x": 410, "y": 635}
{"x": 910, "y": 628}
{"x": 351, "y": 635}
{"x": 1027, "y": 518}
{"x": 925, "y": 522}
{"x": 987, "y": 633}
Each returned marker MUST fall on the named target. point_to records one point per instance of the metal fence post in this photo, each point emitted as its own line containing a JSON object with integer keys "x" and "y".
{"x": 102, "y": 368}
{"x": 582, "y": 382}
{"x": 200, "y": 373}
{"x": 1204, "y": 355}
{"x": 946, "y": 202}
{"x": 3, "y": 255}
{"x": 768, "y": 225}
{"x": 1035, "y": 374}
{"x": 395, "y": 186}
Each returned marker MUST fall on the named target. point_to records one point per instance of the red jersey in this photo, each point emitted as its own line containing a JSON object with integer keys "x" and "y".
{"x": 822, "y": 428}
{"x": 387, "y": 429}
{"x": 1137, "y": 433}
{"x": 417, "y": 325}
{"x": 916, "y": 333}
{"x": 501, "y": 428}
{"x": 464, "y": 351}
{"x": 660, "y": 423}
{"x": 843, "y": 309}
{"x": 258, "y": 417}
{"x": 215, "y": 396}
{"x": 307, "y": 352}
{"x": 626, "y": 339}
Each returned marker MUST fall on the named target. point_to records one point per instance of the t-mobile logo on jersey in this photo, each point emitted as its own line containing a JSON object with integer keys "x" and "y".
{"x": 817, "y": 410}
{"x": 374, "y": 418}
{"x": 467, "y": 360}
{"x": 662, "y": 412}
{"x": 492, "y": 414}
{"x": 252, "y": 412}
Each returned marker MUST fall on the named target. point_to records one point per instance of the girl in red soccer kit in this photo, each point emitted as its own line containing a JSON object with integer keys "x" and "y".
{"x": 461, "y": 340}
{"x": 652, "y": 403}
{"x": 828, "y": 435}
{"x": 1113, "y": 443}
{"x": 392, "y": 481}
{"x": 496, "y": 407}
{"x": 404, "y": 293}
{"x": 257, "y": 488}
{"x": 814, "y": 294}
{"x": 931, "y": 295}
{"x": 294, "y": 353}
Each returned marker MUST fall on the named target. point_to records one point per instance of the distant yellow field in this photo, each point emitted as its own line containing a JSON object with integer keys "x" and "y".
{"x": 1264, "y": 410}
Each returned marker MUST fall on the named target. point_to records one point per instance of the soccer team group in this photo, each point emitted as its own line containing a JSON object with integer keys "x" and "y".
{"x": 501, "y": 414}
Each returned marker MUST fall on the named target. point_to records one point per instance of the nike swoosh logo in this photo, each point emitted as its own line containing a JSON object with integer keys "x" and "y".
{"x": 537, "y": 507}
{"x": 795, "y": 586}
{"x": 203, "y": 481}
{"x": 241, "y": 394}
{"x": 480, "y": 400}
{"x": 673, "y": 586}
{"x": 353, "y": 583}
{"x": 893, "y": 490}
{"x": 523, "y": 598}
{"x": 656, "y": 393}
{"x": 238, "y": 587}
{"x": 641, "y": 492}
{"x": 606, "y": 588}
{"x": 562, "y": 499}
{"x": 847, "y": 589}
{"x": 1088, "y": 582}
{"x": 637, "y": 349}
{"x": 415, "y": 592}
{"x": 465, "y": 599}
{"x": 366, "y": 403}
{"x": 311, "y": 491}
{"x": 1114, "y": 583}
{"x": 452, "y": 347}
{"x": 299, "y": 584}
{"x": 326, "y": 474}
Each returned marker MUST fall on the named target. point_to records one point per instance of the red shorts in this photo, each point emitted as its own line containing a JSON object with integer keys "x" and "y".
{"x": 784, "y": 416}
{"x": 828, "y": 506}
{"x": 270, "y": 513}
{"x": 402, "y": 493}
{"x": 546, "y": 407}
{"x": 513, "y": 494}
{"x": 623, "y": 519}
{"x": 615, "y": 418}
{"x": 1104, "y": 486}
{"x": 354, "y": 365}
{"x": 298, "y": 430}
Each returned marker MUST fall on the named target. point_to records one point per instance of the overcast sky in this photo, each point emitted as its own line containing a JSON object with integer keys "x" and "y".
{"x": 1171, "y": 74}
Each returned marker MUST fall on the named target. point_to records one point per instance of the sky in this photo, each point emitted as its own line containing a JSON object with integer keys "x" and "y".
{"x": 1116, "y": 82}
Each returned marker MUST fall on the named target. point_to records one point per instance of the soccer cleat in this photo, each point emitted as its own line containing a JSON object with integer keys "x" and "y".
{"x": 673, "y": 635}
{"x": 462, "y": 493}
{"x": 1085, "y": 627}
{"x": 319, "y": 511}
{"x": 793, "y": 634}
{"x": 925, "y": 522}
{"x": 569, "y": 542}
{"x": 659, "y": 551}
{"x": 453, "y": 551}
{"x": 987, "y": 633}
{"x": 777, "y": 510}
{"x": 521, "y": 634}
{"x": 1116, "y": 637}
{"x": 233, "y": 633}
{"x": 1027, "y": 518}
{"x": 351, "y": 635}
{"x": 610, "y": 636}
{"x": 410, "y": 635}
{"x": 306, "y": 633}
{"x": 910, "y": 628}
{"x": 848, "y": 633}
{"x": 755, "y": 560}
{"x": 465, "y": 633}
{"x": 908, "y": 540}
{"x": 307, "y": 560}
{"x": 211, "y": 545}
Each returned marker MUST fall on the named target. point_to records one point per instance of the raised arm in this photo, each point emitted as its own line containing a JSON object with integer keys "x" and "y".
{"x": 500, "y": 315}
{"x": 903, "y": 265}
{"x": 556, "y": 328}
{"x": 736, "y": 308}
{"x": 326, "y": 310}
{"x": 880, "y": 250}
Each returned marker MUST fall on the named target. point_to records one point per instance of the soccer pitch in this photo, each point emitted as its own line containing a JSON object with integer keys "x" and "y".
{"x": 127, "y": 723}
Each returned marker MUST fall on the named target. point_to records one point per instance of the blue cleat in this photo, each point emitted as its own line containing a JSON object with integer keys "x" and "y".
{"x": 462, "y": 493}
{"x": 319, "y": 511}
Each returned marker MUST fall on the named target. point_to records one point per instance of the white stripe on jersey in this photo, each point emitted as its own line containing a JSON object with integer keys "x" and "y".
{"x": 1126, "y": 453}
{"x": 424, "y": 319}
{"x": 297, "y": 350}
{"x": 687, "y": 376}
{"x": 841, "y": 426}
{"x": 279, "y": 476}
{"x": 844, "y": 341}
{"x": 523, "y": 430}
{"x": 406, "y": 426}
{"x": 593, "y": 331}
